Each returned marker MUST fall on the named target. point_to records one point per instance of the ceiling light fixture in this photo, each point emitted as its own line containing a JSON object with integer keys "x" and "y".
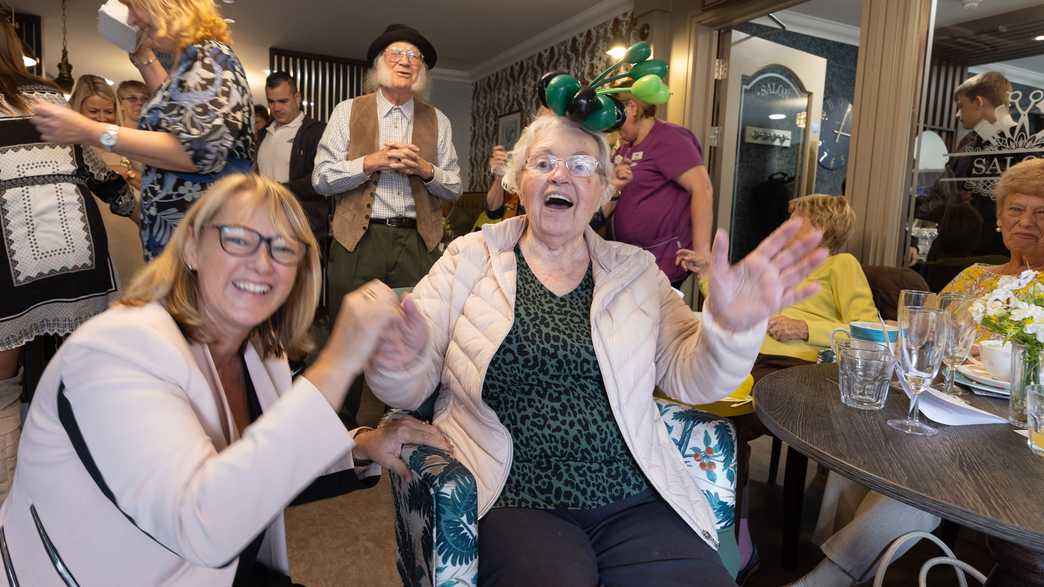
{"x": 777, "y": 116}
{"x": 28, "y": 61}
{"x": 230, "y": 20}
{"x": 618, "y": 43}
{"x": 65, "y": 79}
{"x": 1039, "y": 38}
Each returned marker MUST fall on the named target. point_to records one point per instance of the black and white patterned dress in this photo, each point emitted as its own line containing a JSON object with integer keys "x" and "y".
{"x": 55, "y": 271}
{"x": 206, "y": 105}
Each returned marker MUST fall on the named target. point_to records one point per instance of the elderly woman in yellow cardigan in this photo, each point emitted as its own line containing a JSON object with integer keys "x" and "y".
{"x": 799, "y": 332}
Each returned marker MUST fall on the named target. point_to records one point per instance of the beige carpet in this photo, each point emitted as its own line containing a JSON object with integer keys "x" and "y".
{"x": 346, "y": 541}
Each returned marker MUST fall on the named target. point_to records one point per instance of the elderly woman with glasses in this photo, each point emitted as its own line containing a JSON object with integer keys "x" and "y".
{"x": 548, "y": 342}
{"x": 166, "y": 436}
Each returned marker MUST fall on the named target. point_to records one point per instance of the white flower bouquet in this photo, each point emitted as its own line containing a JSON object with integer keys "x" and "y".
{"x": 1014, "y": 310}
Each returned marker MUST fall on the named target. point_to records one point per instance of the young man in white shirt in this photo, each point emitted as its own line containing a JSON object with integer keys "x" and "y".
{"x": 286, "y": 151}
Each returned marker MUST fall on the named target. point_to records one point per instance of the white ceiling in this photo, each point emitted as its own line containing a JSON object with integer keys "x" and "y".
{"x": 947, "y": 11}
{"x": 471, "y": 36}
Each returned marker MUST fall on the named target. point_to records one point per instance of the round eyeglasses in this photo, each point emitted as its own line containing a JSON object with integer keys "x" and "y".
{"x": 395, "y": 55}
{"x": 576, "y": 165}
{"x": 240, "y": 241}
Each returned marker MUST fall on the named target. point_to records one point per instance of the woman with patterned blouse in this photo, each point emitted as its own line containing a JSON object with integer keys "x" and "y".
{"x": 55, "y": 270}
{"x": 196, "y": 127}
{"x": 548, "y": 342}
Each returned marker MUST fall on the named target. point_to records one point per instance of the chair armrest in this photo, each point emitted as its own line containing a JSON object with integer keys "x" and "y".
{"x": 707, "y": 444}
{"x": 436, "y": 519}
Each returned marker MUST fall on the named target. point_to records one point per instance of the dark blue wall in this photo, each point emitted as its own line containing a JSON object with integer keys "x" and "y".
{"x": 840, "y": 80}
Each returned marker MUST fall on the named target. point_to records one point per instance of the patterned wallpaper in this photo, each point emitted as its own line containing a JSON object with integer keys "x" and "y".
{"x": 513, "y": 89}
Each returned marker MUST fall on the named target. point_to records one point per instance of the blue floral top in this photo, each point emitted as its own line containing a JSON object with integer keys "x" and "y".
{"x": 206, "y": 104}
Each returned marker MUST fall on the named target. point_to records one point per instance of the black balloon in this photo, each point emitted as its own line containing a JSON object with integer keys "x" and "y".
{"x": 542, "y": 86}
{"x": 583, "y": 103}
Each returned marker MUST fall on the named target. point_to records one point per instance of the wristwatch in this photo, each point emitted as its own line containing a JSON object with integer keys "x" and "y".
{"x": 109, "y": 137}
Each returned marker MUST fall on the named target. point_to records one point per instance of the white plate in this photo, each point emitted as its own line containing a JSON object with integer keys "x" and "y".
{"x": 982, "y": 390}
{"x": 977, "y": 373}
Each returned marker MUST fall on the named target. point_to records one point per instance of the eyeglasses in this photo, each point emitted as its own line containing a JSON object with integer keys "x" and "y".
{"x": 576, "y": 165}
{"x": 240, "y": 241}
{"x": 396, "y": 55}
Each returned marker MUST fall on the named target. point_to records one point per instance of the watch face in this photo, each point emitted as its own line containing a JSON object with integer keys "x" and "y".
{"x": 108, "y": 138}
{"x": 835, "y": 133}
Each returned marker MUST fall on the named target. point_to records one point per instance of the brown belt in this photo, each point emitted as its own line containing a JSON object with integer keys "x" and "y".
{"x": 396, "y": 222}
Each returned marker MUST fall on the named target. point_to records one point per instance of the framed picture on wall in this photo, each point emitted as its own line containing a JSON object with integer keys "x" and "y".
{"x": 509, "y": 126}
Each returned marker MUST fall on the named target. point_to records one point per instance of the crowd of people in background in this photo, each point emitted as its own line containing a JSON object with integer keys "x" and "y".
{"x": 192, "y": 239}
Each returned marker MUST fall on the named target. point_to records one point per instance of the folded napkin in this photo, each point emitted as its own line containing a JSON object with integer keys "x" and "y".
{"x": 953, "y": 411}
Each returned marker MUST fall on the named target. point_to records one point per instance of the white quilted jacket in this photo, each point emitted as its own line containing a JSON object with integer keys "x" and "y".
{"x": 643, "y": 333}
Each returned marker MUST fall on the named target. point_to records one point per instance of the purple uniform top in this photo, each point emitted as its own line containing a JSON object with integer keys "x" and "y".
{"x": 653, "y": 211}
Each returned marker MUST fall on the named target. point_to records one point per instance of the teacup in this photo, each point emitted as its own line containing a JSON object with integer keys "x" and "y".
{"x": 996, "y": 357}
{"x": 868, "y": 331}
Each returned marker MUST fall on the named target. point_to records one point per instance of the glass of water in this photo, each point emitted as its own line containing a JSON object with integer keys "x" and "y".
{"x": 922, "y": 342}
{"x": 863, "y": 372}
{"x": 1035, "y": 418}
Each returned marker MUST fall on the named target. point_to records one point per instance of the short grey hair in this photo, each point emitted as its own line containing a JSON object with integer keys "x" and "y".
{"x": 379, "y": 75}
{"x": 537, "y": 128}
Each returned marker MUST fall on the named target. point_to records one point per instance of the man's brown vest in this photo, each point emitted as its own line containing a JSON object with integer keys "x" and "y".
{"x": 352, "y": 216}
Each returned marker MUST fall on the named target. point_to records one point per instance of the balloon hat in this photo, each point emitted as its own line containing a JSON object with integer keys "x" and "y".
{"x": 596, "y": 109}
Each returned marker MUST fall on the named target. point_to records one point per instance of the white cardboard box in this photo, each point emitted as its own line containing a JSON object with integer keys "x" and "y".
{"x": 112, "y": 24}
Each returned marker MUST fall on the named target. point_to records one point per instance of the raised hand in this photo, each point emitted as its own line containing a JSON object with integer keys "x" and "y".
{"x": 622, "y": 175}
{"x": 403, "y": 343}
{"x": 765, "y": 281}
{"x": 364, "y": 315}
{"x": 498, "y": 158}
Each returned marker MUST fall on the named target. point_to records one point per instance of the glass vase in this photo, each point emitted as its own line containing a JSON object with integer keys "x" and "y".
{"x": 1025, "y": 370}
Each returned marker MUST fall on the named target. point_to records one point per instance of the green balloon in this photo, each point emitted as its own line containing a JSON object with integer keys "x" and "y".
{"x": 603, "y": 117}
{"x": 638, "y": 52}
{"x": 560, "y": 90}
{"x": 657, "y": 67}
{"x": 662, "y": 95}
{"x": 646, "y": 87}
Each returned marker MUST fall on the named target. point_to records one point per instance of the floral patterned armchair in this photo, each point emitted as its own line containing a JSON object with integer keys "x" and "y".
{"x": 436, "y": 521}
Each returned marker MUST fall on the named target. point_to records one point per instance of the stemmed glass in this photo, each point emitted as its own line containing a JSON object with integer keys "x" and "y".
{"x": 922, "y": 340}
{"x": 961, "y": 329}
{"x": 914, "y": 298}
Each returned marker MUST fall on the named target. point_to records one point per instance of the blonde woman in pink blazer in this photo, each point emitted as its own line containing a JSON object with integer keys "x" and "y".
{"x": 167, "y": 436}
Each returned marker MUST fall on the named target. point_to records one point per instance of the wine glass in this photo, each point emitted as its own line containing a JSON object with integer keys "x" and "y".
{"x": 914, "y": 298}
{"x": 922, "y": 340}
{"x": 961, "y": 330}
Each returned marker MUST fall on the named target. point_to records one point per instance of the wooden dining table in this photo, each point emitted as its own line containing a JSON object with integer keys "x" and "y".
{"x": 983, "y": 477}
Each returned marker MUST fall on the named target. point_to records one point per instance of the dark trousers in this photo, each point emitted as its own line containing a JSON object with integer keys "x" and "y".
{"x": 636, "y": 541}
{"x": 396, "y": 256}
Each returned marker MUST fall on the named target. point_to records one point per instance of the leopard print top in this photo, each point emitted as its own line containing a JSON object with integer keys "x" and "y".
{"x": 546, "y": 387}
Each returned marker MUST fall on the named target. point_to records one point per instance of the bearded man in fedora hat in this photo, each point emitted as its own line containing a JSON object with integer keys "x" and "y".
{"x": 387, "y": 157}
